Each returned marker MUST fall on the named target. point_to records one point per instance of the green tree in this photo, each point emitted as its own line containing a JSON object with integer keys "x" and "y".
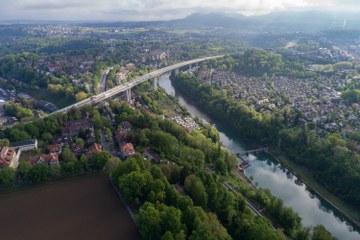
{"x": 7, "y": 176}
{"x": 24, "y": 170}
{"x": 320, "y": 233}
{"x": 100, "y": 159}
{"x": 39, "y": 172}
{"x": 148, "y": 221}
{"x": 135, "y": 185}
{"x": 171, "y": 219}
{"x": 67, "y": 155}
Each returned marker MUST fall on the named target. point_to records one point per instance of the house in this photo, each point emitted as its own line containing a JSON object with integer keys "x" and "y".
{"x": 126, "y": 126}
{"x": 126, "y": 150}
{"x": 49, "y": 159}
{"x": 8, "y": 157}
{"x": 77, "y": 149}
{"x": 94, "y": 148}
{"x": 72, "y": 128}
{"x": 25, "y": 145}
{"x": 59, "y": 140}
{"x": 120, "y": 135}
{"x": 55, "y": 149}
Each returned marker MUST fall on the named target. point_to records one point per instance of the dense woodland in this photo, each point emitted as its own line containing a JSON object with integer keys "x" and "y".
{"x": 258, "y": 62}
{"x": 333, "y": 160}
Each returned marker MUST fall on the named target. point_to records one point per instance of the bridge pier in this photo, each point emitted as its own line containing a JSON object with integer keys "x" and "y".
{"x": 176, "y": 72}
{"x": 190, "y": 67}
{"x": 154, "y": 83}
{"x": 128, "y": 95}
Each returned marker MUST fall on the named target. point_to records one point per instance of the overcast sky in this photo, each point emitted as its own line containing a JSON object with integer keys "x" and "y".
{"x": 155, "y": 9}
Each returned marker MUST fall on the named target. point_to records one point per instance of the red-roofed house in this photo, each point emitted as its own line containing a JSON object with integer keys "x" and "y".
{"x": 49, "y": 159}
{"x": 8, "y": 157}
{"x": 126, "y": 150}
{"x": 95, "y": 148}
{"x": 55, "y": 149}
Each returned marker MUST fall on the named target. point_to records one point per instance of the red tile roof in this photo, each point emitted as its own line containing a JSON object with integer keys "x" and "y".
{"x": 44, "y": 158}
{"x": 127, "y": 149}
{"x": 54, "y": 148}
{"x": 6, "y": 156}
{"x": 95, "y": 148}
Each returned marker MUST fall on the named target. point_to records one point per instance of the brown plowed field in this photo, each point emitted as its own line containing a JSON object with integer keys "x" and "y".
{"x": 80, "y": 208}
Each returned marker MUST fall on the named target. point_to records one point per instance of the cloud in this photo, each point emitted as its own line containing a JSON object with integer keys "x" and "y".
{"x": 153, "y": 9}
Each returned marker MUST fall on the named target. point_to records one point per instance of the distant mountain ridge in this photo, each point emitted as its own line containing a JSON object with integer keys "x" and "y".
{"x": 277, "y": 22}
{"x": 309, "y": 21}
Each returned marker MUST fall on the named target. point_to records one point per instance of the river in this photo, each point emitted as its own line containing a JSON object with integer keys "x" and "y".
{"x": 267, "y": 173}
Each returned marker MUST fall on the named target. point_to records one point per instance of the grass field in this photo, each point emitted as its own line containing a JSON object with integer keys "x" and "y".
{"x": 42, "y": 94}
{"x": 79, "y": 208}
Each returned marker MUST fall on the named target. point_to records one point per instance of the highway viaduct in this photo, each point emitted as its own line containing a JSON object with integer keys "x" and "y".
{"x": 126, "y": 87}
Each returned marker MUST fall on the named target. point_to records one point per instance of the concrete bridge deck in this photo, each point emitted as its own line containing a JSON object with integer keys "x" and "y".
{"x": 128, "y": 85}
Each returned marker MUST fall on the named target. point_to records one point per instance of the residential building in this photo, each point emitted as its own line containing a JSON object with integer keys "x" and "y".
{"x": 94, "y": 148}
{"x": 8, "y": 157}
{"x": 55, "y": 149}
{"x": 127, "y": 150}
{"x": 25, "y": 145}
{"x": 49, "y": 159}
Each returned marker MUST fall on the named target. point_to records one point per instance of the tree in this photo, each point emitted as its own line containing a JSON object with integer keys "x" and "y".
{"x": 351, "y": 96}
{"x": 167, "y": 236}
{"x": 80, "y": 96}
{"x": 171, "y": 219}
{"x": 148, "y": 221}
{"x": 7, "y": 176}
{"x": 194, "y": 186}
{"x": 135, "y": 185}
{"x": 67, "y": 155}
{"x": 24, "y": 170}
{"x": 84, "y": 163}
{"x": 39, "y": 172}
{"x": 4, "y": 142}
{"x": 99, "y": 160}
{"x": 320, "y": 233}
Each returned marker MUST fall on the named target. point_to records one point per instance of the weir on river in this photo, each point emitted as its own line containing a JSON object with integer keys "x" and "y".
{"x": 268, "y": 173}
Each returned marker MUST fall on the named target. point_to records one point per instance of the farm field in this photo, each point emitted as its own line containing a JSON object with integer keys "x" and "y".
{"x": 79, "y": 208}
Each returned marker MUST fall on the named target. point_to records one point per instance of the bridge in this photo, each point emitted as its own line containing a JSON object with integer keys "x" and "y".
{"x": 126, "y": 87}
{"x": 265, "y": 149}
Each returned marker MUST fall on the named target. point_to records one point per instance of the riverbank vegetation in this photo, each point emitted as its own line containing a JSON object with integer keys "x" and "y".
{"x": 178, "y": 197}
{"x": 333, "y": 160}
{"x": 149, "y": 188}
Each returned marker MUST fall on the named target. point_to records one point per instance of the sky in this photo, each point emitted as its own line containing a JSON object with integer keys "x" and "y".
{"x": 138, "y": 10}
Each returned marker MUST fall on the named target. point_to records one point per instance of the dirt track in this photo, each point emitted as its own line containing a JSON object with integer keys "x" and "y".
{"x": 81, "y": 208}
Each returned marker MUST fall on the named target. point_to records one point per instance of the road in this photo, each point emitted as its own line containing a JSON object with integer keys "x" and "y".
{"x": 125, "y": 86}
{"x": 108, "y": 146}
{"x": 102, "y": 82}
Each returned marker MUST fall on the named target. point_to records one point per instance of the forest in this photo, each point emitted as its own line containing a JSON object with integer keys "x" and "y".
{"x": 258, "y": 62}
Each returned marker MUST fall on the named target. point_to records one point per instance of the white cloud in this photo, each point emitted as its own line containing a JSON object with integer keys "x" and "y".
{"x": 152, "y": 9}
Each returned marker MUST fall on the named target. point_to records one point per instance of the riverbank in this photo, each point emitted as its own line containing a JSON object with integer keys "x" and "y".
{"x": 306, "y": 176}
{"x": 270, "y": 175}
